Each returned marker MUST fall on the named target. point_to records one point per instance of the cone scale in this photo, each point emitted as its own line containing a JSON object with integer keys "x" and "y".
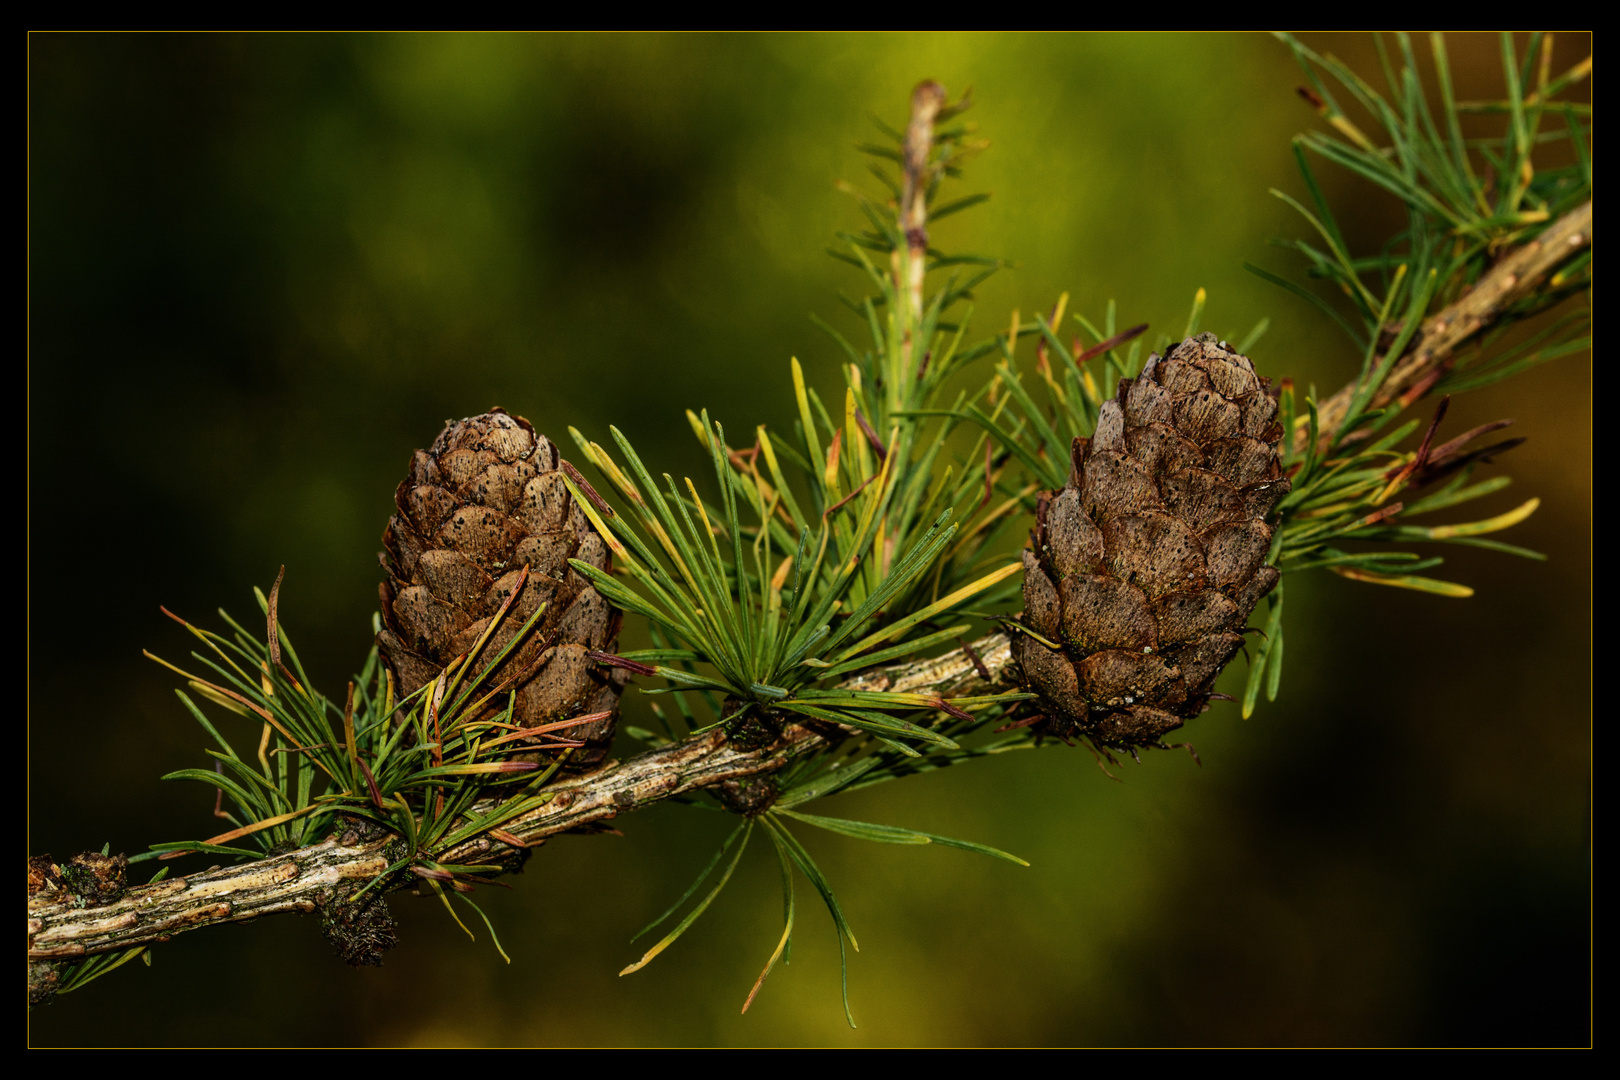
{"x": 1144, "y": 567}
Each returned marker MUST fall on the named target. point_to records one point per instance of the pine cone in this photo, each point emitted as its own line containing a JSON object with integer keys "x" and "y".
{"x": 487, "y": 500}
{"x": 1146, "y": 565}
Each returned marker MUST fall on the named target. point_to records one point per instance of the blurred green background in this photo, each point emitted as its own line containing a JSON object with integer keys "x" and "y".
{"x": 264, "y": 268}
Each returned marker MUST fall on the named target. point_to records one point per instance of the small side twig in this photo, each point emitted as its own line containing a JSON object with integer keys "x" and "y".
{"x": 926, "y": 101}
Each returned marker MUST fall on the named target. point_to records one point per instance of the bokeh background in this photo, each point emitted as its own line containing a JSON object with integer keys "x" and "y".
{"x": 264, "y": 268}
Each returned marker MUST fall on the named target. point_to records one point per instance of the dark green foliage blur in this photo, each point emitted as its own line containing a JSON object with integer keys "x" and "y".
{"x": 264, "y": 268}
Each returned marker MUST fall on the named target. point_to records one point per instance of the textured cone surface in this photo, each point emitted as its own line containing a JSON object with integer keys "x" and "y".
{"x": 485, "y": 501}
{"x": 1146, "y": 565}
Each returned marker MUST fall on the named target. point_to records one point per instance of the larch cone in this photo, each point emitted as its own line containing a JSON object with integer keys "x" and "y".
{"x": 1144, "y": 567}
{"x": 484, "y": 502}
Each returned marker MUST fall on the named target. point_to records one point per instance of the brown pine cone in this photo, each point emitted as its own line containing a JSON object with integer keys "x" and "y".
{"x": 485, "y": 501}
{"x": 1145, "y": 567}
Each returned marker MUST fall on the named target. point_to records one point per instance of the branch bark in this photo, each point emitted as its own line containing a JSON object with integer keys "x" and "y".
{"x": 64, "y": 926}
{"x": 1429, "y": 357}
